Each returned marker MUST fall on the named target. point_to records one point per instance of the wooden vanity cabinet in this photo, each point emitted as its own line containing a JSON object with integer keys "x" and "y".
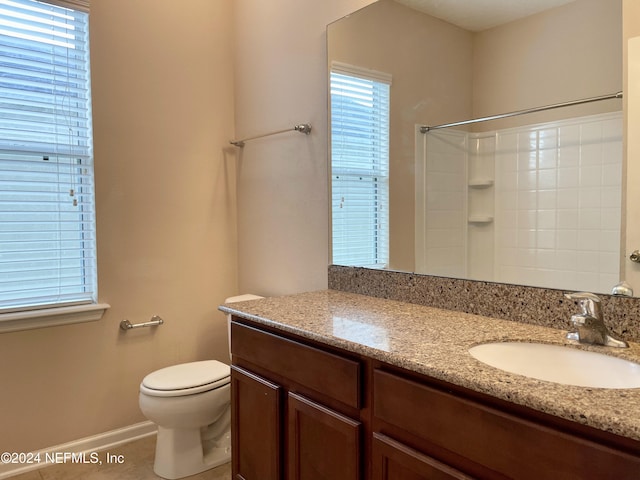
{"x": 295, "y": 410}
{"x": 301, "y": 411}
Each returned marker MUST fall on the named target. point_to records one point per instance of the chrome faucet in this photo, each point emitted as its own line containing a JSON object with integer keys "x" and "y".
{"x": 588, "y": 325}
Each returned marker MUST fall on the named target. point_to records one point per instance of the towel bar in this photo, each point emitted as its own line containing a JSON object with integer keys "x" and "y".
{"x": 155, "y": 321}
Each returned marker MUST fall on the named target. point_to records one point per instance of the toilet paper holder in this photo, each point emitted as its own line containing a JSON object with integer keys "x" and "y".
{"x": 154, "y": 322}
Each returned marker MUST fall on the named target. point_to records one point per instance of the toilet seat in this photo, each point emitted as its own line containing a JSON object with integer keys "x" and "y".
{"x": 186, "y": 379}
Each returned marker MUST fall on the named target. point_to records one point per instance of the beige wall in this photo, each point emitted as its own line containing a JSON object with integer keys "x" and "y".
{"x": 163, "y": 114}
{"x": 283, "y": 204}
{"x": 566, "y": 53}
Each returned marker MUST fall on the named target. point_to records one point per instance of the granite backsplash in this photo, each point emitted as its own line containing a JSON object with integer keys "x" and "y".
{"x": 537, "y": 306}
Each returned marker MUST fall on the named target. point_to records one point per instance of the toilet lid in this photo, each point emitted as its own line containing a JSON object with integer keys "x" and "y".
{"x": 187, "y": 375}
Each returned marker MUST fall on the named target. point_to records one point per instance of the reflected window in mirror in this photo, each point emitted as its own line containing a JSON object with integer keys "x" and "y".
{"x": 360, "y": 166}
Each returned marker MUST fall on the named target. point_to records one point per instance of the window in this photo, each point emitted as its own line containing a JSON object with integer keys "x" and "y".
{"x": 360, "y": 166}
{"x": 47, "y": 215}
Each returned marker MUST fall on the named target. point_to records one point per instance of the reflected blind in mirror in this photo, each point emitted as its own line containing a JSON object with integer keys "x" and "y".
{"x": 360, "y": 166}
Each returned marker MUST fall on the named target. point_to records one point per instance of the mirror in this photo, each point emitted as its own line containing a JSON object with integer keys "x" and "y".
{"x": 532, "y": 199}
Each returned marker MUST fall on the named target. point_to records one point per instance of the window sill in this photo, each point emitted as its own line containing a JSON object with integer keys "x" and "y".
{"x": 50, "y": 317}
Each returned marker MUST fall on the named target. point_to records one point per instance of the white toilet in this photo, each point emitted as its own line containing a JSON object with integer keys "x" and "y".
{"x": 191, "y": 404}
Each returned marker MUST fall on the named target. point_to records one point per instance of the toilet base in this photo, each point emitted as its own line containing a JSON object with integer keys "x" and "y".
{"x": 183, "y": 452}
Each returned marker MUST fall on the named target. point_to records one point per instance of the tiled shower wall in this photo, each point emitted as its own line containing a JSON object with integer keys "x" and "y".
{"x": 542, "y": 204}
{"x": 558, "y": 204}
{"x": 441, "y": 213}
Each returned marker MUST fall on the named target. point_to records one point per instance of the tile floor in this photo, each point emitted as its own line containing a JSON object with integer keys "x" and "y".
{"x": 137, "y": 465}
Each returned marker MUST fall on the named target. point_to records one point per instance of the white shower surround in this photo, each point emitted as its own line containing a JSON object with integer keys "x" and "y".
{"x": 537, "y": 205}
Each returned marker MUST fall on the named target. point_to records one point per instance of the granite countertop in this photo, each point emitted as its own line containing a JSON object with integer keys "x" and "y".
{"x": 435, "y": 342}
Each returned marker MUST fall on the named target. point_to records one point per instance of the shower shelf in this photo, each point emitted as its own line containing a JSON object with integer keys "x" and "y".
{"x": 481, "y": 183}
{"x": 480, "y": 219}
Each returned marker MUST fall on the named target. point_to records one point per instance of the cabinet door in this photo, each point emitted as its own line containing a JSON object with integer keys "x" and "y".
{"x": 322, "y": 444}
{"x": 256, "y": 426}
{"x": 393, "y": 460}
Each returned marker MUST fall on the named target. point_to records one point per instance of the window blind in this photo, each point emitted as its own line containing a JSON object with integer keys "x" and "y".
{"x": 360, "y": 166}
{"x": 47, "y": 219}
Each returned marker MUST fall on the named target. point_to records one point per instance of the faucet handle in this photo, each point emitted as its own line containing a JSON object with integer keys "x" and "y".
{"x": 588, "y": 302}
{"x": 589, "y": 325}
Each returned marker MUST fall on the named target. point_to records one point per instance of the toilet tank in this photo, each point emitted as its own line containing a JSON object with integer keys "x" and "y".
{"x": 237, "y": 298}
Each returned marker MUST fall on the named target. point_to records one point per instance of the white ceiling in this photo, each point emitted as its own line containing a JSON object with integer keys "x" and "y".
{"x": 478, "y": 15}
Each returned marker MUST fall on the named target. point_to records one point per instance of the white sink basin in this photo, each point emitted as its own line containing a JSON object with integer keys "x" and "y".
{"x": 556, "y": 363}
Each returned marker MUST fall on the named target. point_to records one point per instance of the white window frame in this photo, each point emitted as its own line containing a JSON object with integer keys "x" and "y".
{"x": 359, "y": 165}
{"x": 60, "y": 311}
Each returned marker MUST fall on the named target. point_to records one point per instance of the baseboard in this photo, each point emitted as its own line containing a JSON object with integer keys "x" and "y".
{"x": 95, "y": 443}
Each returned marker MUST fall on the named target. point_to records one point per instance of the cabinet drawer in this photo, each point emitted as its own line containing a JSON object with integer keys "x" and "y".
{"x": 321, "y": 371}
{"x": 505, "y": 444}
